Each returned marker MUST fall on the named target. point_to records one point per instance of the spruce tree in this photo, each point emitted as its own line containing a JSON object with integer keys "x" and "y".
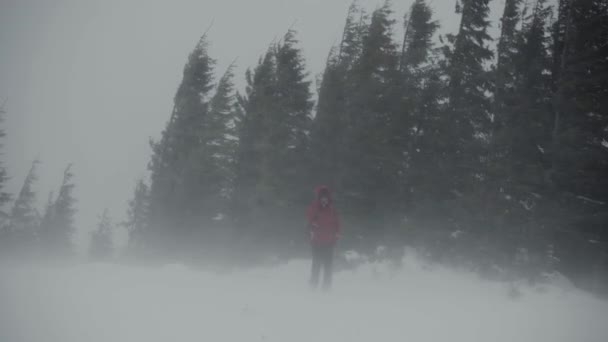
{"x": 101, "y": 246}
{"x": 24, "y": 218}
{"x": 222, "y": 138}
{"x": 251, "y": 187}
{"x": 57, "y": 226}
{"x": 418, "y": 133}
{"x": 468, "y": 119}
{"x": 137, "y": 222}
{"x": 370, "y": 168}
{"x": 504, "y": 77}
{"x": 177, "y": 190}
{"x": 418, "y": 38}
{"x": 522, "y": 103}
{"x": 4, "y": 196}
{"x": 578, "y": 158}
{"x": 289, "y": 136}
{"x": 273, "y": 140}
{"x": 330, "y": 124}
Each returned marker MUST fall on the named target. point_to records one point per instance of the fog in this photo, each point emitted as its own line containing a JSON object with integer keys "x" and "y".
{"x": 455, "y": 183}
{"x": 418, "y": 301}
{"x": 90, "y": 82}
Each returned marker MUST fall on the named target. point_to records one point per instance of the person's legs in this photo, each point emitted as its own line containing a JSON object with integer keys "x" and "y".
{"x": 328, "y": 257}
{"x": 316, "y": 266}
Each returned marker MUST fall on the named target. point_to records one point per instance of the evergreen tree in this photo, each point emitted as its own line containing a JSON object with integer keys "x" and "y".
{"x": 289, "y": 137}
{"x": 467, "y": 120}
{"x": 273, "y": 140}
{"x": 222, "y": 137}
{"x": 370, "y": 168}
{"x": 419, "y": 127}
{"x": 580, "y": 98}
{"x": 522, "y": 103}
{"x": 578, "y": 153}
{"x": 329, "y": 127}
{"x": 418, "y": 38}
{"x": 4, "y": 196}
{"x": 504, "y": 72}
{"x": 355, "y": 30}
{"x": 137, "y": 218}
{"x": 24, "y": 218}
{"x": 101, "y": 247}
{"x": 177, "y": 189}
{"x": 57, "y": 225}
{"x": 251, "y": 188}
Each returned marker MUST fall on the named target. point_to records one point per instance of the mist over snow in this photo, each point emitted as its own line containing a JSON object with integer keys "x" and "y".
{"x": 89, "y": 82}
{"x": 375, "y": 302}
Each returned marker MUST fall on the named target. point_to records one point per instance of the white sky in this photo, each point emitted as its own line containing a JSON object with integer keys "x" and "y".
{"x": 89, "y": 82}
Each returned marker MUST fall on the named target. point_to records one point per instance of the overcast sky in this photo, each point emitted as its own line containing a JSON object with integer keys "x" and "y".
{"x": 89, "y": 82}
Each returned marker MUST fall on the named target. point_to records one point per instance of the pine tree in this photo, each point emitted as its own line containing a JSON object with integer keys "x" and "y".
{"x": 223, "y": 120}
{"x": 251, "y": 189}
{"x": 578, "y": 158}
{"x": 468, "y": 121}
{"x": 522, "y": 102}
{"x": 292, "y": 125}
{"x": 329, "y": 127}
{"x": 504, "y": 73}
{"x": 177, "y": 190}
{"x": 370, "y": 168}
{"x": 57, "y": 225}
{"x": 579, "y": 98}
{"x": 101, "y": 247}
{"x": 418, "y": 37}
{"x": 4, "y": 196}
{"x": 24, "y": 218}
{"x": 418, "y": 133}
{"x": 273, "y": 140}
{"x": 137, "y": 218}
{"x": 355, "y": 30}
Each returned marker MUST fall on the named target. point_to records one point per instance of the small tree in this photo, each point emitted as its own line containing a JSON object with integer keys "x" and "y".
{"x": 57, "y": 225}
{"x": 137, "y": 218}
{"x": 4, "y": 196}
{"x": 24, "y": 218}
{"x": 101, "y": 247}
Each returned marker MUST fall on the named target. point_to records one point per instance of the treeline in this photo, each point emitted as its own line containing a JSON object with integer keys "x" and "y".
{"x": 491, "y": 156}
{"x": 481, "y": 153}
{"x": 27, "y": 233}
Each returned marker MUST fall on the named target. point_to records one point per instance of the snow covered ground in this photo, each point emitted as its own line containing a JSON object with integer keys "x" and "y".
{"x": 108, "y": 302}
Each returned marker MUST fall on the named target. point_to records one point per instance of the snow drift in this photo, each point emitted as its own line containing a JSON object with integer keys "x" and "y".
{"x": 375, "y": 302}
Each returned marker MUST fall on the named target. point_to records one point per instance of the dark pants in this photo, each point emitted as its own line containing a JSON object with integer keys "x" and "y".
{"x": 322, "y": 257}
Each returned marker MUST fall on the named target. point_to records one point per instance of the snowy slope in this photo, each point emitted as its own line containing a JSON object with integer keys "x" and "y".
{"x": 104, "y": 302}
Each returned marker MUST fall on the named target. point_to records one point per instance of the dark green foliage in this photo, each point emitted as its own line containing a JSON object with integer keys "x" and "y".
{"x": 4, "y": 196}
{"x": 578, "y": 152}
{"x": 57, "y": 226}
{"x": 19, "y": 233}
{"x": 420, "y": 126}
{"x": 468, "y": 122}
{"x": 101, "y": 247}
{"x": 370, "y": 167}
{"x": 137, "y": 222}
{"x": 331, "y": 124}
{"x": 24, "y": 217}
{"x": 182, "y": 163}
{"x": 469, "y": 157}
{"x": 418, "y": 38}
{"x": 273, "y": 139}
{"x": 252, "y": 182}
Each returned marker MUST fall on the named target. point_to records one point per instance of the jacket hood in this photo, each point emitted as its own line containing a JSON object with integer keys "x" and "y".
{"x": 323, "y": 188}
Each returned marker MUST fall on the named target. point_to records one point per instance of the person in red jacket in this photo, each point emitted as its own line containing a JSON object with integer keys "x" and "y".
{"x": 324, "y": 226}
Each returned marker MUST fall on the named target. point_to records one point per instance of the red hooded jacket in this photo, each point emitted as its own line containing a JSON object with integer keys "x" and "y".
{"x": 323, "y": 222}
